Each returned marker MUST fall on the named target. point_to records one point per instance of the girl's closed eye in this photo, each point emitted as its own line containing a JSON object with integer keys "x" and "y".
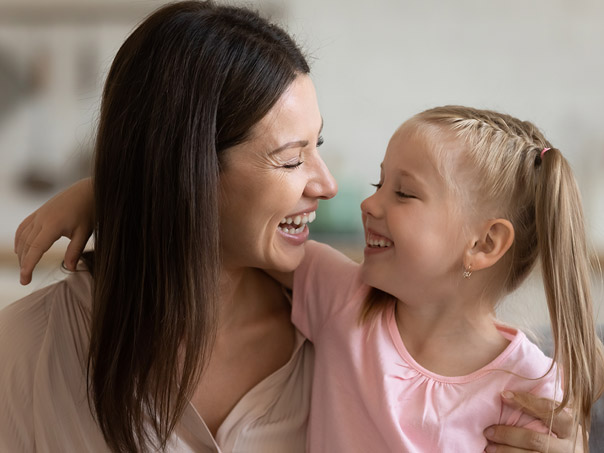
{"x": 401, "y": 194}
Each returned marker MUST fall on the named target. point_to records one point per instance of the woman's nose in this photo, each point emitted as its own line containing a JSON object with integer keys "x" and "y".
{"x": 322, "y": 184}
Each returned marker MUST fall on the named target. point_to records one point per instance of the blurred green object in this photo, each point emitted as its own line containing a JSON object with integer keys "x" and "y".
{"x": 342, "y": 215}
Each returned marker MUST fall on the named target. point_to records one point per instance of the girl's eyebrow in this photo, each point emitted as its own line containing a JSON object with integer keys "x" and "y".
{"x": 294, "y": 144}
{"x": 406, "y": 174}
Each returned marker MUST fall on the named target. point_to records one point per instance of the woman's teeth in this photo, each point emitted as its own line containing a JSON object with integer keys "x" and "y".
{"x": 378, "y": 243}
{"x": 296, "y": 224}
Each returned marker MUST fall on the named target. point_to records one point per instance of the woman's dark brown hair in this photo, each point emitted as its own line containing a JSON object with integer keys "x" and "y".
{"x": 189, "y": 82}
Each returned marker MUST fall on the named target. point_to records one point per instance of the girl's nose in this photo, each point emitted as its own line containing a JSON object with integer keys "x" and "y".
{"x": 370, "y": 206}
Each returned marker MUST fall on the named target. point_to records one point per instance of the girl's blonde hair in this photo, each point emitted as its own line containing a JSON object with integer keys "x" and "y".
{"x": 510, "y": 176}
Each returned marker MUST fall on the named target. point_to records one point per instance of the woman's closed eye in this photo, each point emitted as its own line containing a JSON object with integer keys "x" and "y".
{"x": 299, "y": 162}
{"x": 293, "y": 165}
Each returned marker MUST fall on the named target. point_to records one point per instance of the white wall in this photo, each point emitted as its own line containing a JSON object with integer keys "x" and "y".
{"x": 380, "y": 62}
{"x": 374, "y": 64}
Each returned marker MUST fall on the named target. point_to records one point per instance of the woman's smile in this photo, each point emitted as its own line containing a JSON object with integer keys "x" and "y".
{"x": 297, "y": 223}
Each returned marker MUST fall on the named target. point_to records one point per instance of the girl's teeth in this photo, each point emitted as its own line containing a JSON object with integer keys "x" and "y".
{"x": 379, "y": 243}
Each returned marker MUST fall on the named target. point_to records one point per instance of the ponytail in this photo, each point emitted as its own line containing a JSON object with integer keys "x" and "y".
{"x": 566, "y": 268}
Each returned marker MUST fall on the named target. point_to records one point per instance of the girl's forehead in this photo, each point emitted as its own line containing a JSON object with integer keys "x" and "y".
{"x": 433, "y": 150}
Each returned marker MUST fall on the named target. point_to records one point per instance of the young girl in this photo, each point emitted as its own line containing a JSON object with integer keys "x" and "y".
{"x": 408, "y": 354}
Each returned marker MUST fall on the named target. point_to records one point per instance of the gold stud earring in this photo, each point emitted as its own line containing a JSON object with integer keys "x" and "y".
{"x": 467, "y": 273}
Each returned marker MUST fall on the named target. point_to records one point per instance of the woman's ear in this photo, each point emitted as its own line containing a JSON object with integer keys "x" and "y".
{"x": 492, "y": 242}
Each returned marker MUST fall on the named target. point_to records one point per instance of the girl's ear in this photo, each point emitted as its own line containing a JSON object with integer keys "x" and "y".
{"x": 489, "y": 245}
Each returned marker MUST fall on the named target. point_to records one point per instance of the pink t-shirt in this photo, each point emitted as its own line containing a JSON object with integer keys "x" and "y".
{"x": 368, "y": 392}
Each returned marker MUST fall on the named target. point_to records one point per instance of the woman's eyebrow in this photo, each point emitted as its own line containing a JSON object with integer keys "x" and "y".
{"x": 294, "y": 144}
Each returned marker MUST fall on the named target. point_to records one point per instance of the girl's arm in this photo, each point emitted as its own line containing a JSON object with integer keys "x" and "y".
{"x": 69, "y": 214}
{"x": 508, "y": 439}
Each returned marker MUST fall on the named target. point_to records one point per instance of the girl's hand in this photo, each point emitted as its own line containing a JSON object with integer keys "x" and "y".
{"x": 69, "y": 214}
{"x": 512, "y": 439}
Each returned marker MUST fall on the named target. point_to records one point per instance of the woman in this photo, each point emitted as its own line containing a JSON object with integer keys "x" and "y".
{"x": 207, "y": 140}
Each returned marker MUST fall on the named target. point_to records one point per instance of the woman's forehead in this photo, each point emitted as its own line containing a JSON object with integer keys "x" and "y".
{"x": 293, "y": 117}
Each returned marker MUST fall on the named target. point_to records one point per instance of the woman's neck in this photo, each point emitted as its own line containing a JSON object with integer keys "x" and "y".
{"x": 450, "y": 340}
{"x": 246, "y": 295}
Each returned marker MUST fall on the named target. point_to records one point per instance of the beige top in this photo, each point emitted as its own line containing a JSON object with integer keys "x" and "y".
{"x": 43, "y": 405}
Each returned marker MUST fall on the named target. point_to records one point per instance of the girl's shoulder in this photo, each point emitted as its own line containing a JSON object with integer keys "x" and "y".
{"x": 524, "y": 356}
{"x": 328, "y": 259}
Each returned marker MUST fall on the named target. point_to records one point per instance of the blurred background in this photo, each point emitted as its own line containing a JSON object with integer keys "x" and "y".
{"x": 374, "y": 65}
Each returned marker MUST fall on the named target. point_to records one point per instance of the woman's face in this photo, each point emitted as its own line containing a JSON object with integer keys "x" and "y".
{"x": 274, "y": 176}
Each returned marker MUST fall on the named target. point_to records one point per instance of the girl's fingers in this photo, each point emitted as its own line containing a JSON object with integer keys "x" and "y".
{"x": 542, "y": 408}
{"x": 20, "y": 230}
{"x": 75, "y": 249}
{"x": 38, "y": 242}
{"x": 21, "y": 241}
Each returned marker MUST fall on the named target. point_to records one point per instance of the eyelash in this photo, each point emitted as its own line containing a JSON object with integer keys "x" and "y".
{"x": 320, "y": 141}
{"x": 398, "y": 193}
{"x": 292, "y": 166}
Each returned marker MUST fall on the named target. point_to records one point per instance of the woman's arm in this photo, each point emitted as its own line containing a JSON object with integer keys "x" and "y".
{"x": 69, "y": 214}
{"x": 511, "y": 439}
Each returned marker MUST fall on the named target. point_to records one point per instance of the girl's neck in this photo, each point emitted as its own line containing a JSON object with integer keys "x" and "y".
{"x": 450, "y": 340}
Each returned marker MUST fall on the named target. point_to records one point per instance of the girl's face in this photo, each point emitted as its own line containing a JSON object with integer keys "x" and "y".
{"x": 413, "y": 223}
{"x": 272, "y": 183}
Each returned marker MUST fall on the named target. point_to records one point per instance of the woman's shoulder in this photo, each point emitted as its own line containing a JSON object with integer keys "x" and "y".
{"x": 42, "y": 337}
{"x": 60, "y": 309}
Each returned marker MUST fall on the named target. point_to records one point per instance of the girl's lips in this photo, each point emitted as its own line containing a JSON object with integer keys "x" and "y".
{"x": 374, "y": 238}
{"x": 376, "y": 243}
{"x": 369, "y": 250}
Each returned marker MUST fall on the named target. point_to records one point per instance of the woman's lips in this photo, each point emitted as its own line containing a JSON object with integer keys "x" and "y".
{"x": 296, "y": 223}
